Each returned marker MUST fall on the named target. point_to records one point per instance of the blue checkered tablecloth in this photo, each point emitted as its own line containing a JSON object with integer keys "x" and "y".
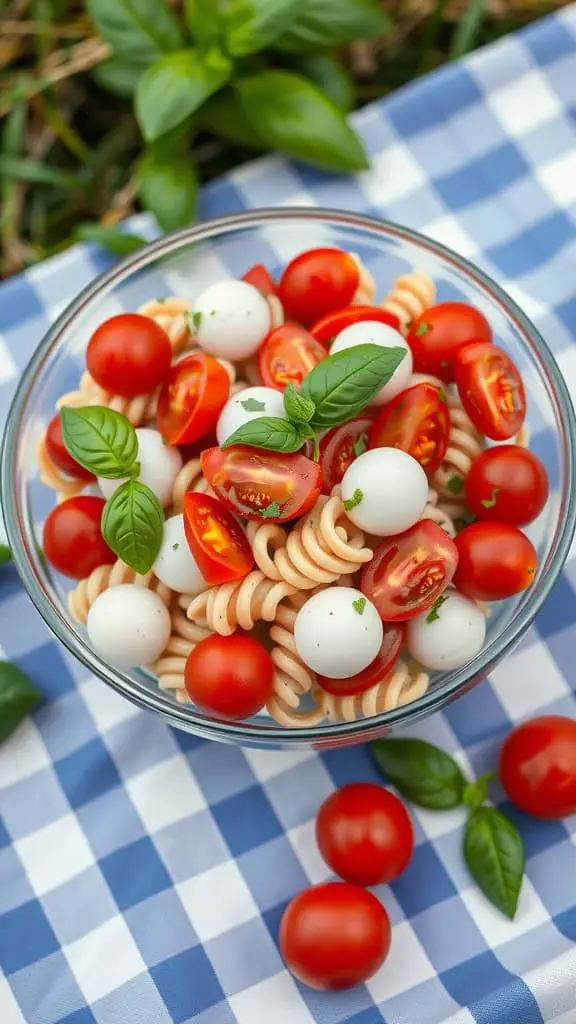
{"x": 143, "y": 872}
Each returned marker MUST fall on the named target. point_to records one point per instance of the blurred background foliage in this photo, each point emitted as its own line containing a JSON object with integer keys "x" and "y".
{"x": 111, "y": 106}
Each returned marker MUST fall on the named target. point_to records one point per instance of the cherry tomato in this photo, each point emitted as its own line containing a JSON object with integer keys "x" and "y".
{"x": 258, "y": 484}
{"x": 229, "y": 676}
{"x": 72, "y": 539}
{"x": 261, "y": 278}
{"x": 408, "y": 572}
{"x": 192, "y": 398}
{"x": 339, "y": 447}
{"x": 365, "y": 834}
{"x": 216, "y": 540}
{"x": 60, "y": 455}
{"x": 377, "y": 670}
{"x": 437, "y": 334}
{"x": 316, "y": 283}
{"x": 288, "y": 354}
{"x": 507, "y": 483}
{"x": 491, "y": 390}
{"x": 326, "y": 329}
{"x": 538, "y": 766}
{"x": 129, "y": 355}
{"x": 418, "y": 422}
{"x": 334, "y": 935}
{"x": 495, "y": 561}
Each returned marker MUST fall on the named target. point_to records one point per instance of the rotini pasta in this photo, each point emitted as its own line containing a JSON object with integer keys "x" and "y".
{"x": 172, "y": 315}
{"x": 366, "y": 290}
{"x": 411, "y": 295}
{"x": 243, "y": 603}
{"x": 190, "y": 478}
{"x": 53, "y": 477}
{"x": 438, "y": 514}
{"x": 81, "y": 599}
{"x": 405, "y": 683}
{"x": 184, "y": 637}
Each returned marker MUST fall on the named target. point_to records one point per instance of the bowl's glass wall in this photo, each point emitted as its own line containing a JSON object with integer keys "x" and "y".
{"x": 184, "y": 265}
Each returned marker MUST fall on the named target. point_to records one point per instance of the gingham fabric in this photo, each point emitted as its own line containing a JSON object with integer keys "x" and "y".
{"x": 143, "y": 872}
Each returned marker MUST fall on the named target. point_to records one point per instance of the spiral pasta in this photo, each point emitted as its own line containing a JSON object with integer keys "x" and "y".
{"x": 438, "y": 514}
{"x": 172, "y": 315}
{"x": 225, "y": 607}
{"x": 292, "y": 678}
{"x": 51, "y": 476}
{"x": 184, "y": 637}
{"x": 411, "y": 295}
{"x": 405, "y": 683}
{"x": 366, "y": 289}
{"x": 189, "y": 478}
{"x": 81, "y": 599}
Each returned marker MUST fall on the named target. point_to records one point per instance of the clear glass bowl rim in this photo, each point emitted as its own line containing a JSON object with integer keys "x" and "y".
{"x": 22, "y": 541}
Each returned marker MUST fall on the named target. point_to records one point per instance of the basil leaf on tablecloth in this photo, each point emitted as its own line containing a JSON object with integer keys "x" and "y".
{"x": 101, "y": 440}
{"x": 420, "y": 771}
{"x": 17, "y": 698}
{"x": 494, "y": 853}
{"x": 132, "y": 525}
{"x": 272, "y": 433}
{"x": 343, "y": 384}
{"x": 298, "y": 408}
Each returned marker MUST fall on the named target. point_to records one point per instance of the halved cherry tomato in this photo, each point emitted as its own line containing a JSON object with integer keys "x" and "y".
{"x": 409, "y": 571}
{"x": 418, "y": 422}
{"x": 258, "y": 484}
{"x": 491, "y": 390}
{"x": 317, "y": 282}
{"x": 216, "y": 539}
{"x": 288, "y": 354}
{"x": 129, "y": 354}
{"x": 326, "y": 329}
{"x": 229, "y": 676}
{"x": 60, "y": 455}
{"x": 192, "y": 398}
{"x": 436, "y": 335}
{"x": 508, "y": 484}
{"x": 72, "y": 538}
{"x": 377, "y": 670}
{"x": 338, "y": 449}
{"x": 261, "y": 278}
{"x": 495, "y": 561}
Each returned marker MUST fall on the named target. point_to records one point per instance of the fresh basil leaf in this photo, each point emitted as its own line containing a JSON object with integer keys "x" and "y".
{"x": 476, "y": 793}
{"x": 205, "y": 21}
{"x": 270, "y": 432}
{"x": 420, "y": 771}
{"x": 120, "y": 243}
{"x": 175, "y": 86}
{"x": 330, "y": 75}
{"x": 494, "y": 853}
{"x": 251, "y": 25}
{"x": 224, "y": 115}
{"x": 298, "y": 408}
{"x": 132, "y": 525}
{"x": 101, "y": 440}
{"x": 168, "y": 187}
{"x": 328, "y": 23}
{"x": 5, "y": 554}
{"x": 137, "y": 29}
{"x": 18, "y": 696}
{"x": 343, "y": 384}
{"x": 118, "y": 76}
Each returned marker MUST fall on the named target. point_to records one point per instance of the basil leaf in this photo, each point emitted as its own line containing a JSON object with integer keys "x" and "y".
{"x": 271, "y": 433}
{"x": 328, "y": 23}
{"x": 5, "y": 554}
{"x": 343, "y": 384}
{"x": 137, "y": 30}
{"x": 420, "y": 771}
{"x": 174, "y": 86}
{"x": 118, "y": 76}
{"x": 494, "y": 853}
{"x": 330, "y": 74}
{"x": 17, "y": 698}
{"x": 251, "y": 25}
{"x": 168, "y": 187}
{"x": 101, "y": 440}
{"x": 298, "y": 408}
{"x": 132, "y": 525}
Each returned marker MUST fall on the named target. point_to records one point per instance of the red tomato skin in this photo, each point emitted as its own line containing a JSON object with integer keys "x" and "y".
{"x": 495, "y": 561}
{"x": 334, "y": 936}
{"x": 365, "y": 834}
{"x": 192, "y": 398}
{"x": 60, "y": 455}
{"x": 261, "y": 278}
{"x": 508, "y": 484}
{"x": 129, "y": 355}
{"x": 287, "y": 355}
{"x": 316, "y": 283}
{"x": 326, "y": 329}
{"x": 337, "y": 451}
{"x": 72, "y": 538}
{"x": 418, "y": 422}
{"x": 248, "y": 480}
{"x": 436, "y": 335}
{"x": 377, "y": 670}
{"x": 537, "y": 767}
{"x": 229, "y": 676}
{"x": 216, "y": 540}
{"x": 491, "y": 390}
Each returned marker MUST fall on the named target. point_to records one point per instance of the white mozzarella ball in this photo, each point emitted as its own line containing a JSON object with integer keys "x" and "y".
{"x": 231, "y": 319}
{"x": 175, "y": 565}
{"x": 338, "y": 632}
{"x": 249, "y": 405}
{"x": 159, "y": 466}
{"x": 128, "y": 625}
{"x": 386, "y": 491}
{"x": 370, "y": 332}
{"x": 449, "y": 635}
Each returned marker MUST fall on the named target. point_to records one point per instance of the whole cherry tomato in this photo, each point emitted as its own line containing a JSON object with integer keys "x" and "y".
{"x": 409, "y": 571}
{"x": 334, "y": 936}
{"x": 261, "y": 278}
{"x": 377, "y": 670}
{"x": 507, "y": 483}
{"x": 495, "y": 561}
{"x": 72, "y": 539}
{"x": 288, "y": 354}
{"x": 365, "y": 834}
{"x": 216, "y": 539}
{"x": 326, "y": 329}
{"x": 418, "y": 422}
{"x": 192, "y": 398}
{"x": 129, "y": 355}
{"x": 491, "y": 390}
{"x": 538, "y": 766}
{"x": 339, "y": 447}
{"x": 436, "y": 335}
{"x": 258, "y": 484}
{"x": 316, "y": 283}
{"x": 60, "y": 455}
{"x": 229, "y": 676}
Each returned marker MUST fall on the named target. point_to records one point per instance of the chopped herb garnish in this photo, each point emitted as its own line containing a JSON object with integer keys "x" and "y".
{"x": 433, "y": 613}
{"x": 196, "y": 320}
{"x": 212, "y": 312}
{"x": 421, "y": 329}
{"x": 444, "y": 364}
{"x": 359, "y": 605}
{"x": 175, "y": 546}
{"x": 461, "y": 521}
{"x": 160, "y": 300}
{"x": 272, "y": 511}
{"x": 491, "y": 501}
{"x": 455, "y": 484}
{"x": 361, "y": 444}
{"x": 355, "y": 500}
{"x": 442, "y": 395}
{"x": 531, "y": 571}
{"x": 253, "y": 405}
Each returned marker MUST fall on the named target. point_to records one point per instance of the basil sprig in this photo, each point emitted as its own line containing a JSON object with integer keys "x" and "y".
{"x": 298, "y": 408}
{"x": 494, "y": 853}
{"x": 103, "y": 441}
{"x": 18, "y": 696}
{"x": 132, "y": 525}
{"x": 271, "y": 432}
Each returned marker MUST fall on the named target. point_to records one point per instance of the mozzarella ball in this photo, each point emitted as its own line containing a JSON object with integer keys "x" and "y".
{"x": 449, "y": 635}
{"x": 159, "y": 466}
{"x": 385, "y": 491}
{"x": 249, "y": 405}
{"x": 175, "y": 565}
{"x": 370, "y": 332}
{"x": 338, "y": 632}
{"x": 231, "y": 319}
{"x": 128, "y": 625}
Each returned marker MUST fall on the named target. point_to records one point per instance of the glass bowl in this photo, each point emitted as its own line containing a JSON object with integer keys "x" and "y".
{"x": 185, "y": 263}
